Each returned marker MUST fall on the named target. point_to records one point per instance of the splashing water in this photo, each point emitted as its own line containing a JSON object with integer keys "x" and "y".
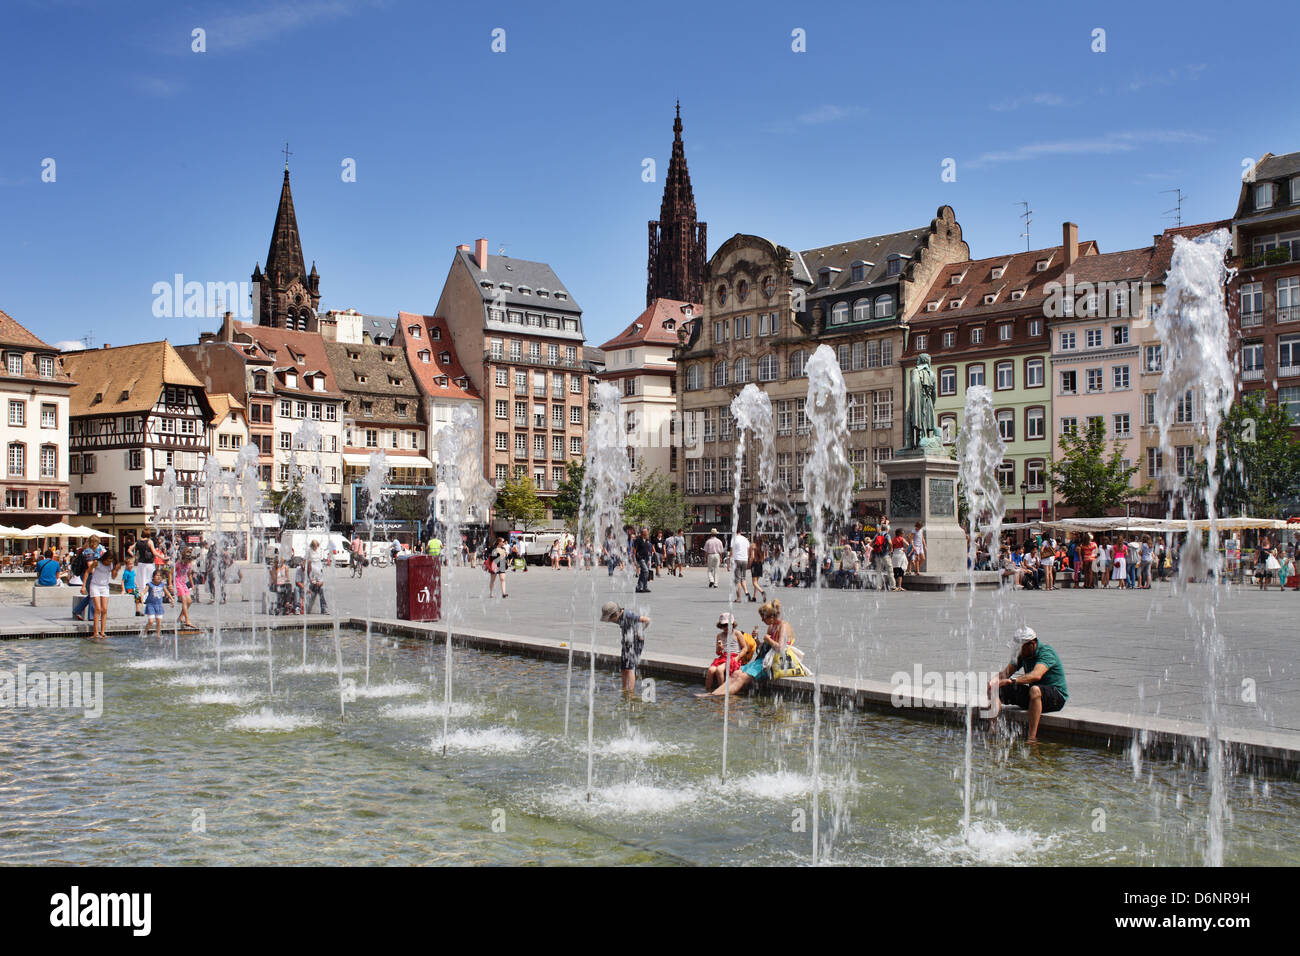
{"x": 980, "y": 450}
{"x": 606, "y": 482}
{"x": 828, "y": 483}
{"x": 376, "y": 478}
{"x": 1192, "y": 324}
{"x": 460, "y": 473}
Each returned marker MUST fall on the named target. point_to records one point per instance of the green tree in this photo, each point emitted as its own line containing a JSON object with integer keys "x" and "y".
{"x": 518, "y": 503}
{"x": 570, "y": 500}
{"x": 1086, "y": 480}
{"x": 1259, "y": 460}
{"x": 654, "y": 503}
{"x": 288, "y": 504}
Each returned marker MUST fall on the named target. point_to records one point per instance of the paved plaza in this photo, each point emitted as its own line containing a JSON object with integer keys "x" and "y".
{"x": 1128, "y": 652}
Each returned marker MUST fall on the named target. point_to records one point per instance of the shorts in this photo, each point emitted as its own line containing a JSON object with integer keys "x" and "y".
{"x": 735, "y": 662}
{"x": 630, "y": 656}
{"x": 1018, "y": 694}
{"x": 153, "y": 608}
{"x": 738, "y": 569}
{"x": 755, "y": 668}
{"x": 98, "y": 590}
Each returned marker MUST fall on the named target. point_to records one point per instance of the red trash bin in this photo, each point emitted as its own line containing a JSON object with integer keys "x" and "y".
{"x": 419, "y": 588}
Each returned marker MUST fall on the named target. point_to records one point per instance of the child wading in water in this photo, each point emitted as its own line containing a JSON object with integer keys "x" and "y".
{"x": 633, "y": 627}
{"x": 155, "y": 591}
{"x": 129, "y": 585}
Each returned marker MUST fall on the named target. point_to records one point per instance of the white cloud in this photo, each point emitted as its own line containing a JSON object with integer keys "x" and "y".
{"x": 829, "y": 113}
{"x": 1107, "y": 144}
{"x": 1033, "y": 99}
{"x": 241, "y": 31}
{"x": 70, "y": 345}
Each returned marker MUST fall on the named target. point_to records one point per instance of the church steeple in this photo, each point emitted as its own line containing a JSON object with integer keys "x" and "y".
{"x": 289, "y": 296}
{"x": 675, "y": 268}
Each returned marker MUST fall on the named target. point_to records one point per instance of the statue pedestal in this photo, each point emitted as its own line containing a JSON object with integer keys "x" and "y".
{"x": 923, "y": 487}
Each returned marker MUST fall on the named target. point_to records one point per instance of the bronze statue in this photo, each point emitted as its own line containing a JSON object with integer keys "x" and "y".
{"x": 920, "y": 430}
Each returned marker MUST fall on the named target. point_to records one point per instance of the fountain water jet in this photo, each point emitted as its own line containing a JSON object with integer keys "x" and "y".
{"x": 828, "y": 483}
{"x": 1195, "y": 393}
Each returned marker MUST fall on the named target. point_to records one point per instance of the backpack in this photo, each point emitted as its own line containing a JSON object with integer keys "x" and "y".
{"x": 78, "y": 566}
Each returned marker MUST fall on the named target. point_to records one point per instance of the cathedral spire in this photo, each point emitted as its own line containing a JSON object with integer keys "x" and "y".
{"x": 675, "y": 269}
{"x": 288, "y": 294}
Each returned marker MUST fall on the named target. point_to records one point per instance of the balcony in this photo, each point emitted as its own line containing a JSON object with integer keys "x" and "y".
{"x": 883, "y": 423}
{"x": 1252, "y": 320}
{"x": 521, "y": 453}
{"x": 539, "y": 391}
{"x": 1288, "y": 371}
{"x": 557, "y": 455}
{"x": 1289, "y": 314}
{"x": 521, "y": 421}
{"x": 521, "y": 389}
{"x": 1252, "y": 374}
{"x": 536, "y": 360}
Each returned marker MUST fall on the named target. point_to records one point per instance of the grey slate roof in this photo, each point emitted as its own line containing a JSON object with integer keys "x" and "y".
{"x": 521, "y": 272}
{"x": 873, "y": 249}
{"x": 1279, "y": 167}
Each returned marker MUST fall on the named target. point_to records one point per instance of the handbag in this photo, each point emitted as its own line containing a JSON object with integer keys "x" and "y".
{"x": 788, "y": 662}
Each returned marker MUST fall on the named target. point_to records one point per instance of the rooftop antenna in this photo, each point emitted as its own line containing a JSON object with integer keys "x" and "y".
{"x": 287, "y": 154}
{"x": 1025, "y": 216}
{"x": 1177, "y": 211}
{"x": 88, "y": 340}
{"x": 501, "y": 249}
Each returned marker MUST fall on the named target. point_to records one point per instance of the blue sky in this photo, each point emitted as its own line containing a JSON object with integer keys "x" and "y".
{"x": 169, "y": 160}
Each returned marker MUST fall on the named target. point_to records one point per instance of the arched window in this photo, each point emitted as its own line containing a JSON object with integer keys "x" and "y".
{"x": 722, "y": 295}
{"x": 742, "y": 290}
{"x": 768, "y": 368}
{"x": 884, "y": 306}
{"x": 861, "y": 310}
{"x": 797, "y": 359}
{"x": 692, "y": 377}
{"x": 719, "y": 374}
{"x": 948, "y": 425}
{"x": 741, "y": 371}
{"x": 839, "y": 313}
{"x": 769, "y": 286}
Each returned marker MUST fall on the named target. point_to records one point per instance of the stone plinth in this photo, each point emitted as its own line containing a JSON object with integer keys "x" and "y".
{"x": 923, "y": 487}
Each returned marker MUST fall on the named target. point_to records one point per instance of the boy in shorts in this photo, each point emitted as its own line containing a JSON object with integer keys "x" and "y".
{"x": 129, "y": 584}
{"x": 633, "y": 627}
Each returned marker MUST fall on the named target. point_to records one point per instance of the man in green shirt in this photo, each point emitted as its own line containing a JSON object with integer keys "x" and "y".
{"x": 1041, "y": 688}
{"x": 435, "y": 547}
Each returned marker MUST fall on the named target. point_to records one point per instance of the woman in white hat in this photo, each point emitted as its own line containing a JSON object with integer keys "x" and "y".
{"x": 742, "y": 651}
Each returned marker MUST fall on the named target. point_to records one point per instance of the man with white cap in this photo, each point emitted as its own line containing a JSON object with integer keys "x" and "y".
{"x": 1041, "y": 688}
{"x": 633, "y": 626}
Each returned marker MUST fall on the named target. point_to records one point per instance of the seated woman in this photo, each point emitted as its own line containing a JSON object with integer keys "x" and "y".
{"x": 779, "y": 635}
{"x": 718, "y": 670}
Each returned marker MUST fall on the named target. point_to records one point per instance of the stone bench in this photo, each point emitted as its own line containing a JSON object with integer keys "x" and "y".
{"x": 118, "y": 603}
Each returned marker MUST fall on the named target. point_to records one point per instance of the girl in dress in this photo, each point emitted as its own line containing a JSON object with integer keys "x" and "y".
{"x": 154, "y": 593}
{"x": 1118, "y": 571}
{"x": 183, "y": 589}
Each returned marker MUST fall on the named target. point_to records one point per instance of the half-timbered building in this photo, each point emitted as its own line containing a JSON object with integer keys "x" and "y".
{"x": 136, "y": 412}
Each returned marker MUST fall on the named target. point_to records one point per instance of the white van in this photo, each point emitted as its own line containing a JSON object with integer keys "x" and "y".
{"x": 333, "y": 544}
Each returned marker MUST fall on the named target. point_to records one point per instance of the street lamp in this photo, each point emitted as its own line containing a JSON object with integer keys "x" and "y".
{"x": 1024, "y": 509}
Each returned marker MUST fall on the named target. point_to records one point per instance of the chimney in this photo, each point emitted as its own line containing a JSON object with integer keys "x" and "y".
{"x": 480, "y": 254}
{"x": 228, "y": 328}
{"x": 463, "y": 247}
{"x": 106, "y": 346}
{"x": 1070, "y": 242}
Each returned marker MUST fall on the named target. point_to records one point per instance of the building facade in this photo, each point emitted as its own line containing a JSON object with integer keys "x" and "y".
{"x": 639, "y": 360}
{"x": 984, "y": 322}
{"x": 135, "y": 412}
{"x": 766, "y": 311}
{"x": 1264, "y": 295}
{"x": 518, "y": 332}
{"x": 35, "y": 391}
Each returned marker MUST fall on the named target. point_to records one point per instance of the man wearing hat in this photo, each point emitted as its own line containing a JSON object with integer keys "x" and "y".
{"x": 713, "y": 553}
{"x": 1041, "y": 688}
{"x": 633, "y": 627}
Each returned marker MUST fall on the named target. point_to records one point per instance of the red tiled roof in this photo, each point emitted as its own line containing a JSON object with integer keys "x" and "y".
{"x": 1164, "y": 247}
{"x": 12, "y": 333}
{"x": 1020, "y": 271}
{"x": 427, "y": 373}
{"x": 287, "y": 346}
{"x": 648, "y": 329}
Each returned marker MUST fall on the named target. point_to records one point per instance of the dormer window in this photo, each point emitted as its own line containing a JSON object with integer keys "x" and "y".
{"x": 1042, "y": 264}
{"x": 669, "y": 325}
{"x": 414, "y": 331}
{"x": 462, "y": 382}
{"x": 954, "y": 304}
{"x": 1265, "y": 195}
{"x": 894, "y": 265}
{"x": 45, "y": 366}
{"x": 441, "y": 381}
{"x": 444, "y": 358}
{"x": 486, "y": 284}
{"x": 395, "y": 382}
{"x": 824, "y": 277}
{"x": 355, "y": 356}
{"x": 561, "y": 295}
{"x": 525, "y": 290}
{"x": 435, "y": 334}
{"x": 858, "y": 271}
{"x": 1017, "y": 293}
{"x": 990, "y": 298}
{"x": 318, "y": 383}
{"x": 956, "y": 278}
{"x": 390, "y": 359}
{"x": 290, "y": 379}
{"x": 542, "y": 293}
{"x": 932, "y": 306}
{"x": 425, "y": 356}
{"x": 997, "y": 271}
